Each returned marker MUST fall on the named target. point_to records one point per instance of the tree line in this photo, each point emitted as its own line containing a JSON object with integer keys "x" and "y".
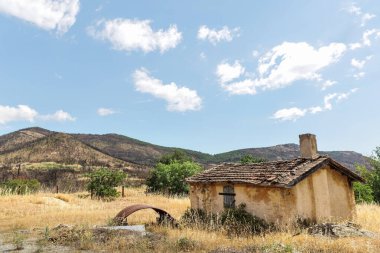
{"x": 369, "y": 191}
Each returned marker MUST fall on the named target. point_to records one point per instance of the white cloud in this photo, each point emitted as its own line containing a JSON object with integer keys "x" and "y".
{"x": 335, "y": 97}
{"x": 355, "y": 45}
{"x": 357, "y": 11}
{"x": 178, "y": 98}
{"x": 105, "y": 111}
{"x": 287, "y": 63}
{"x": 290, "y": 62}
{"x": 227, "y": 72}
{"x": 214, "y": 36}
{"x": 359, "y": 75}
{"x": 295, "y": 113}
{"x": 255, "y": 53}
{"x": 202, "y": 55}
{"x": 367, "y": 36}
{"x": 26, "y": 113}
{"x": 57, "y": 15}
{"x": 328, "y": 83}
{"x": 245, "y": 87}
{"x": 366, "y": 39}
{"x": 315, "y": 109}
{"x": 329, "y": 99}
{"x": 58, "y": 116}
{"x": 357, "y": 63}
{"x": 354, "y": 9}
{"x": 18, "y": 113}
{"x": 366, "y": 17}
{"x": 133, "y": 35}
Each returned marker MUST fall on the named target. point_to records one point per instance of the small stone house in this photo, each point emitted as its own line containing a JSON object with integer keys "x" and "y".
{"x": 311, "y": 187}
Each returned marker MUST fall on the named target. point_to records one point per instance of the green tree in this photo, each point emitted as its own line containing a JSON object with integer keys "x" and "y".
{"x": 176, "y": 156}
{"x": 170, "y": 178}
{"x": 20, "y": 186}
{"x": 249, "y": 159}
{"x": 363, "y": 193}
{"x": 370, "y": 191}
{"x": 102, "y": 183}
{"x": 373, "y": 177}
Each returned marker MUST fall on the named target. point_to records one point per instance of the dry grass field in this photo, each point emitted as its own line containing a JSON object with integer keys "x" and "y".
{"x": 49, "y": 210}
{"x": 46, "y": 209}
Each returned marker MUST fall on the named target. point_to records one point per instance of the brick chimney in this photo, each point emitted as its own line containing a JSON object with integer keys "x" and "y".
{"x": 308, "y": 146}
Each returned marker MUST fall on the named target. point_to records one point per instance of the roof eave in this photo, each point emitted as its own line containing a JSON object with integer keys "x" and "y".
{"x": 352, "y": 175}
{"x": 238, "y": 182}
{"x": 335, "y": 165}
{"x": 326, "y": 161}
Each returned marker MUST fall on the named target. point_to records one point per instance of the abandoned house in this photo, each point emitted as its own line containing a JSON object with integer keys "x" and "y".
{"x": 310, "y": 187}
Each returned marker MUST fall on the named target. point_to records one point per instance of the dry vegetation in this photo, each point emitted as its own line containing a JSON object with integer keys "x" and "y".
{"x": 48, "y": 210}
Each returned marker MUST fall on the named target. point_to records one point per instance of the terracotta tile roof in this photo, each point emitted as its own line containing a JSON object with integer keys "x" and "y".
{"x": 274, "y": 174}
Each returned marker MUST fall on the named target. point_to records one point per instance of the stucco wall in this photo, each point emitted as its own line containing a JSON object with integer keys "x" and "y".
{"x": 271, "y": 204}
{"x": 324, "y": 195}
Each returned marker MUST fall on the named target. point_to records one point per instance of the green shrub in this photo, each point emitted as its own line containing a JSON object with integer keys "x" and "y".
{"x": 370, "y": 191}
{"x": 176, "y": 156}
{"x": 373, "y": 177}
{"x": 185, "y": 244}
{"x": 276, "y": 248}
{"x": 249, "y": 159}
{"x": 200, "y": 219}
{"x": 170, "y": 178}
{"x": 238, "y": 221}
{"x": 20, "y": 186}
{"x": 235, "y": 221}
{"x": 102, "y": 183}
{"x": 363, "y": 193}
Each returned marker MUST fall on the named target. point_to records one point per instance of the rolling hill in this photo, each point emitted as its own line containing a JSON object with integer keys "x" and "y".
{"x": 18, "y": 139}
{"x": 41, "y": 145}
{"x": 60, "y": 148}
{"x": 132, "y": 150}
{"x": 290, "y": 151}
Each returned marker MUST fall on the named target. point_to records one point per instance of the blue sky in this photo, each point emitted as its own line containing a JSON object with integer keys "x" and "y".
{"x": 211, "y": 76}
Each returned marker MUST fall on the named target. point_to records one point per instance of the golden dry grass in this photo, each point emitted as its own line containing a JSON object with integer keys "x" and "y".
{"x": 368, "y": 216}
{"x": 46, "y": 209}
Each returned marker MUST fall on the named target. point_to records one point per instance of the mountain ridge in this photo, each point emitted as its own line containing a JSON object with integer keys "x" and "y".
{"x": 114, "y": 148}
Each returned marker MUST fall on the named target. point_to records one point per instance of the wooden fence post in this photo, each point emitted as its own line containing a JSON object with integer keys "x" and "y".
{"x": 122, "y": 191}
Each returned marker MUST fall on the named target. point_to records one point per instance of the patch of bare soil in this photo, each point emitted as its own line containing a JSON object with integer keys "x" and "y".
{"x": 24, "y": 242}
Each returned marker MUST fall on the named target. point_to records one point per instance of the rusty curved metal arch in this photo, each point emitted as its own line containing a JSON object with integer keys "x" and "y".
{"x": 123, "y": 214}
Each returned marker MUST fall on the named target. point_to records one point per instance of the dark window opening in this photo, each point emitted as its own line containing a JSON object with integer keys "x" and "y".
{"x": 228, "y": 196}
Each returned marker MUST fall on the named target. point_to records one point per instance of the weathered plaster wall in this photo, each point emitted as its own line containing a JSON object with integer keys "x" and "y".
{"x": 272, "y": 204}
{"x": 305, "y": 200}
{"x": 269, "y": 203}
{"x": 206, "y": 197}
{"x": 342, "y": 199}
{"x": 324, "y": 195}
